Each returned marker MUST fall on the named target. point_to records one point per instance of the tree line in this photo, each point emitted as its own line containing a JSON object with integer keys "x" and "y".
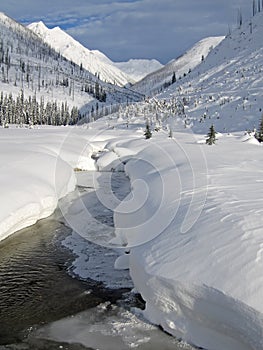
{"x": 29, "y": 111}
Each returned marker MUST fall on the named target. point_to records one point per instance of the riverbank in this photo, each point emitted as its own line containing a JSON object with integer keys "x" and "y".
{"x": 100, "y": 307}
{"x": 190, "y": 227}
{"x": 37, "y": 169}
{"x": 195, "y": 239}
{"x": 35, "y": 286}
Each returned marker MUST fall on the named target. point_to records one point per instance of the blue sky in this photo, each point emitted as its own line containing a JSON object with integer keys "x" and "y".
{"x": 123, "y": 29}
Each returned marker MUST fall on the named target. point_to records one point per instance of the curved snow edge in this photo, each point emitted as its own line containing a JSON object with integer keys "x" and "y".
{"x": 208, "y": 315}
{"x": 37, "y": 198}
{"x": 198, "y": 314}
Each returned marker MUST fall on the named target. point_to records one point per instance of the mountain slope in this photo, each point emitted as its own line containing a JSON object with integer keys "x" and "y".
{"x": 226, "y": 89}
{"x": 155, "y": 82}
{"x": 30, "y": 65}
{"x": 32, "y": 70}
{"x": 92, "y": 60}
{"x": 137, "y": 69}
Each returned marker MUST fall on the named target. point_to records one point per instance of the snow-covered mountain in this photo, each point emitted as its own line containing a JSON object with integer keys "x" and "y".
{"x": 92, "y": 60}
{"x": 226, "y": 89}
{"x": 158, "y": 80}
{"x": 31, "y": 69}
{"x": 137, "y": 69}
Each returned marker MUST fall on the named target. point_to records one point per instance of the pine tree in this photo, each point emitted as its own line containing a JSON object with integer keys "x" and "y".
{"x": 239, "y": 18}
{"x": 211, "y": 136}
{"x": 148, "y": 133}
{"x": 259, "y": 132}
{"x": 173, "y": 78}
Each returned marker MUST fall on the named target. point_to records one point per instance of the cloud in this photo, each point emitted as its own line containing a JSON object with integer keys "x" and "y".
{"x": 122, "y": 29}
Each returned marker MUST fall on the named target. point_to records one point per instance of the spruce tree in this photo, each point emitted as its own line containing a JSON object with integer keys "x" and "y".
{"x": 148, "y": 133}
{"x": 211, "y": 136}
{"x": 173, "y": 78}
{"x": 259, "y": 132}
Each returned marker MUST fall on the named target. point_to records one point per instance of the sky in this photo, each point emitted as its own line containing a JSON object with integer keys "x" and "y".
{"x": 124, "y": 29}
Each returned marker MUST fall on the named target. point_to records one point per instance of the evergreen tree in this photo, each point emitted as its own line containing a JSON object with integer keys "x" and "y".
{"x": 259, "y": 132}
{"x": 173, "y": 78}
{"x": 211, "y": 136}
{"x": 239, "y": 18}
{"x": 147, "y": 133}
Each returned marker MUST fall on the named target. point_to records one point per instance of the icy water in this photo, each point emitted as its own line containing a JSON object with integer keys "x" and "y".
{"x": 35, "y": 287}
{"x": 43, "y": 305}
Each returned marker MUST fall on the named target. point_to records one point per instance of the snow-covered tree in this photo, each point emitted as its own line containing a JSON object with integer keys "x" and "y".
{"x": 148, "y": 133}
{"x": 211, "y": 136}
{"x": 259, "y": 132}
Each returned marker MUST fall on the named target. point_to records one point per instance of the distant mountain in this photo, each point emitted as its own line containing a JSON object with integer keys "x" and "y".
{"x": 226, "y": 89}
{"x": 160, "y": 79}
{"x": 92, "y": 60}
{"x": 137, "y": 69}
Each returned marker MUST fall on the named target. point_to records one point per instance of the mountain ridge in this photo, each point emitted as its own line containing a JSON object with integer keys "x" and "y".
{"x": 92, "y": 60}
{"x": 32, "y": 69}
{"x": 226, "y": 89}
{"x": 156, "y": 81}
{"x": 137, "y": 69}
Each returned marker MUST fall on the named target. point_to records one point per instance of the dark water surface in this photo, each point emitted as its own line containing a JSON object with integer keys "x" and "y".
{"x": 44, "y": 307}
{"x": 35, "y": 287}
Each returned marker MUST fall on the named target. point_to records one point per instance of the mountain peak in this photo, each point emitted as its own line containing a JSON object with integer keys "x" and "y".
{"x": 39, "y": 28}
{"x": 139, "y": 68}
{"x": 155, "y": 82}
{"x": 94, "y": 61}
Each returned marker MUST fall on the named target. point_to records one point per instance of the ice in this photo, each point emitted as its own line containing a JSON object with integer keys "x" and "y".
{"x": 110, "y": 327}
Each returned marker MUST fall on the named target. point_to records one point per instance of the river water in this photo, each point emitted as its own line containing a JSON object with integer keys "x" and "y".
{"x": 45, "y": 304}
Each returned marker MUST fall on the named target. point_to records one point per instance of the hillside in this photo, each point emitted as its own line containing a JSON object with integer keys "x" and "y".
{"x": 158, "y": 80}
{"x": 226, "y": 89}
{"x": 34, "y": 78}
{"x": 92, "y": 60}
{"x": 137, "y": 69}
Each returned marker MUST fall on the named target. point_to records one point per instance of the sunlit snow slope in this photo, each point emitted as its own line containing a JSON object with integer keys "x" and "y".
{"x": 226, "y": 89}
{"x": 155, "y": 81}
{"x": 137, "y": 69}
{"x": 92, "y": 60}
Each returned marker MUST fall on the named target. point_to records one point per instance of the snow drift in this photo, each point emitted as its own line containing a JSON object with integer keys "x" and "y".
{"x": 196, "y": 252}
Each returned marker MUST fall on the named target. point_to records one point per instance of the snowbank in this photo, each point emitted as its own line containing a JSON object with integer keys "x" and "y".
{"x": 37, "y": 170}
{"x": 193, "y": 222}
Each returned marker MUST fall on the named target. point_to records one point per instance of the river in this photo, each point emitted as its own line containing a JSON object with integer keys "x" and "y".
{"x": 51, "y": 299}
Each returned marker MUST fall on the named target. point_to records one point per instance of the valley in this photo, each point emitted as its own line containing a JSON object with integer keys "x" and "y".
{"x": 81, "y": 136}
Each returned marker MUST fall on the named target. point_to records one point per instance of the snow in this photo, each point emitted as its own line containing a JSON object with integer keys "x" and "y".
{"x": 192, "y": 222}
{"x": 92, "y": 60}
{"x": 35, "y": 173}
{"x": 226, "y": 88}
{"x": 216, "y": 262}
{"x": 109, "y": 327}
{"x": 43, "y": 67}
{"x": 154, "y": 82}
{"x": 192, "y": 226}
{"x": 137, "y": 69}
{"x": 41, "y": 73}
